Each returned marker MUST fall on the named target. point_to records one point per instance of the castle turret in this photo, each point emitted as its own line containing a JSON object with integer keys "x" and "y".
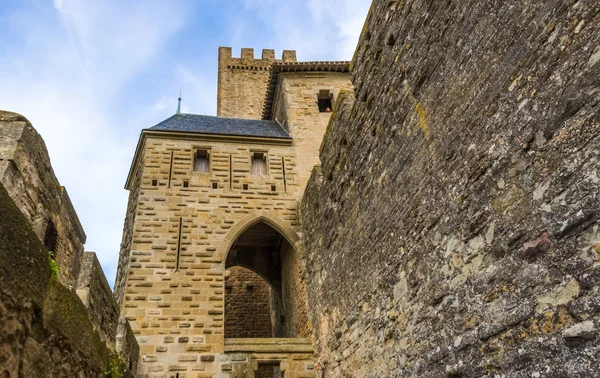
{"x": 242, "y": 82}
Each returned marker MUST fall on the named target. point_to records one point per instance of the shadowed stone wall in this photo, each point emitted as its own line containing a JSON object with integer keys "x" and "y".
{"x": 247, "y": 304}
{"x": 45, "y": 329}
{"x": 453, "y": 230}
{"x": 28, "y": 177}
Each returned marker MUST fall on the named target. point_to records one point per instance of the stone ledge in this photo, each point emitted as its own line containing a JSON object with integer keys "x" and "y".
{"x": 269, "y": 345}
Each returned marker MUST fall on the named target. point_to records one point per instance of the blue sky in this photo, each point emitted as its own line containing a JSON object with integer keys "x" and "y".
{"x": 90, "y": 74}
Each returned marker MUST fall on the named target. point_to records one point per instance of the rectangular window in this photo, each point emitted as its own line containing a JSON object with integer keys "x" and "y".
{"x": 259, "y": 163}
{"x": 51, "y": 239}
{"x": 324, "y": 101}
{"x": 202, "y": 161}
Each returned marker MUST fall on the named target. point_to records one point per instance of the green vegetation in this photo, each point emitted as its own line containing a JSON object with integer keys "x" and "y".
{"x": 114, "y": 369}
{"x": 53, "y": 267}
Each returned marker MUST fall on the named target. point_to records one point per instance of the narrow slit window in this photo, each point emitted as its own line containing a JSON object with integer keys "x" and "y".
{"x": 51, "y": 239}
{"x": 154, "y": 182}
{"x": 215, "y": 185}
{"x": 324, "y": 101}
{"x": 186, "y": 184}
{"x": 273, "y": 188}
{"x": 201, "y": 161}
{"x": 259, "y": 163}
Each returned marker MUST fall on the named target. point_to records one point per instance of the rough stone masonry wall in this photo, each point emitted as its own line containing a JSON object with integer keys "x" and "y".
{"x": 247, "y": 304}
{"x": 27, "y": 175}
{"x": 296, "y": 109}
{"x": 454, "y": 229}
{"x": 242, "y": 82}
{"x": 124, "y": 258}
{"x": 294, "y": 297}
{"x": 44, "y": 328}
{"x": 95, "y": 293}
{"x": 177, "y": 314}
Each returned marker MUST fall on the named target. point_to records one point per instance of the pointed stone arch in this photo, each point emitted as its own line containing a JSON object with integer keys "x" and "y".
{"x": 250, "y": 220}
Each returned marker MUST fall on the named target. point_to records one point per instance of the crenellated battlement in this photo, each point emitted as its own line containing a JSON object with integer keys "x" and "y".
{"x": 243, "y": 81}
{"x": 247, "y": 56}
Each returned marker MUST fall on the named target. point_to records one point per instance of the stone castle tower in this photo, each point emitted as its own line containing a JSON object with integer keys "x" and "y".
{"x": 209, "y": 273}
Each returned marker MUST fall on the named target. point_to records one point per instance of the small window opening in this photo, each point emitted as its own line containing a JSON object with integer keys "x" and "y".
{"x": 201, "y": 161}
{"x": 186, "y": 184}
{"x": 215, "y": 185}
{"x": 259, "y": 163}
{"x": 51, "y": 239}
{"x": 154, "y": 182}
{"x": 245, "y": 186}
{"x": 324, "y": 101}
{"x": 273, "y": 188}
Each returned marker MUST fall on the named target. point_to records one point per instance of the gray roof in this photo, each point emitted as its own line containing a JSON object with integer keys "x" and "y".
{"x": 203, "y": 124}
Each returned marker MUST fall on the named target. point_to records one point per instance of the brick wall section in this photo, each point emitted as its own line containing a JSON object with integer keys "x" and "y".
{"x": 247, "y": 304}
{"x": 27, "y": 175}
{"x": 242, "y": 82}
{"x": 46, "y": 331}
{"x": 454, "y": 228}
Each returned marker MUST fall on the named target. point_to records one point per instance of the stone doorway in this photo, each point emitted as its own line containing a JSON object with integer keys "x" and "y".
{"x": 264, "y": 286}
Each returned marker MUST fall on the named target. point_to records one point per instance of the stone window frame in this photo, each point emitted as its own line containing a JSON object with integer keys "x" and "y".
{"x": 208, "y": 150}
{"x": 265, "y": 158}
{"x": 325, "y": 94}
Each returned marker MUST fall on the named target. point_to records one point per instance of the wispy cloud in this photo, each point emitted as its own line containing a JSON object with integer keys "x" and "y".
{"x": 69, "y": 83}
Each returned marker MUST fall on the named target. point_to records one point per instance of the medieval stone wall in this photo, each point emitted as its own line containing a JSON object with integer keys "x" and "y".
{"x": 296, "y": 109}
{"x": 293, "y": 294}
{"x": 454, "y": 228}
{"x": 242, "y": 82}
{"x": 124, "y": 253}
{"x": 27, "y": 175}
{"x": 174, "y": 288}
{"x": 46, "y": 330}
{"x": 247, "y": 304}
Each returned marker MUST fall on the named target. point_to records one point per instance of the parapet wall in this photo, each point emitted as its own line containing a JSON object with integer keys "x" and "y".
{"x": 242, "y": 82}
{"x": 454, "y": 230}
{"x": 50, "y": 332}
{"x": 27, "y": 175}
{"x": 95, "y": 293}
{"x": 46, "y": 331}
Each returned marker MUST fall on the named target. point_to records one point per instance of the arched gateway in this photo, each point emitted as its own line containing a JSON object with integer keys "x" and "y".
{"x": 209, "y": 273}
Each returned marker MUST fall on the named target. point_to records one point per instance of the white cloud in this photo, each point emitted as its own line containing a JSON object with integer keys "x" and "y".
{"x": 58, "y": 4}
{"x": 67, "y": 80}
{"x": 316, "y": 29}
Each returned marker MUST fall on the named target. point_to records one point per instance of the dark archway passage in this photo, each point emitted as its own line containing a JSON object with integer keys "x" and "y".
{"x": 261, "y": 260}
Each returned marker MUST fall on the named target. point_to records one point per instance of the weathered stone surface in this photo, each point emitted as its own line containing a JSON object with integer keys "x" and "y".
{"x": 584, "y": 330}
{"x": 95, "y": 293}
{"x": 247, "y": 304}
{"x": 453, "y": 227}
{"x": 45, "y": 329}
{"x": 27, "y": 176}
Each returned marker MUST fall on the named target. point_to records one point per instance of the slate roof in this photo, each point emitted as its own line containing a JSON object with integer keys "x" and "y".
{"x": 203, "y": 124}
